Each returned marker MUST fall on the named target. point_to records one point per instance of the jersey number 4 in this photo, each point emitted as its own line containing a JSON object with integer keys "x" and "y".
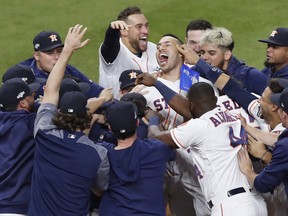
{"x": 234, "y": 140}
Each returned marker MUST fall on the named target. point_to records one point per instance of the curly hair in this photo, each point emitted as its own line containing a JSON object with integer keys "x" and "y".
{"x": 219, "y": 37}
{"x": 123, "y": 15}
{"x": 72, "y": 122}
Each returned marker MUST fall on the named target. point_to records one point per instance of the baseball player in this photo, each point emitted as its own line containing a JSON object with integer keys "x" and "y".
{"x": 47, "y": 48}
{"x": 225, "y": 188}
{"x": 180, "y": 196}
{"x": 126, "y": 46}
{"x": 264, "y": 112}
{"x": 67, "y": 163}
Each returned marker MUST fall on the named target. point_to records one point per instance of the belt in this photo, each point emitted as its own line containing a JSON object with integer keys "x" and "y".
{"x": 229, "y": 194}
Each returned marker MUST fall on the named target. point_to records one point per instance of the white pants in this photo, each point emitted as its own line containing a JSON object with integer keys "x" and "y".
{"x": 243, "y": 204}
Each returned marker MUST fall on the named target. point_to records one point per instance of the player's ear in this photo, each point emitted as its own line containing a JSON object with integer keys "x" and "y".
{"x": 36, "y": 56}
{"x": 227, "y": 55}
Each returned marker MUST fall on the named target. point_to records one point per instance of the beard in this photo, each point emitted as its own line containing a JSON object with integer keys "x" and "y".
{"x": 269, "y": 64}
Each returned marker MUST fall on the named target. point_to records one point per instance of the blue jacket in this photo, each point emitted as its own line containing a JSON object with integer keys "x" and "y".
{"x": 16, "y": 160}
{"x": 70, "y": 71}
{"x": 253, "y": 80}
{"x": 277, "y": 171}
{"x": 282, "y": 73}
{"x": 136, "y": 179}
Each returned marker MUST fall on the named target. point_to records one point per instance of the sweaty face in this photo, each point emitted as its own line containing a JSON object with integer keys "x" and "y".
{"x": 167, "y": 54}
{"x": 46, "y": 60}
{"x": 138, "y": 33}
{"x": 193, "y": 38}
{"x": 213, "y": 55}
{"x": 276, "y": 56}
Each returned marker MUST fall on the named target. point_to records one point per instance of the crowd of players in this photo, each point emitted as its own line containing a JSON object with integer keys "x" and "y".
{"x": 173, "y": 128}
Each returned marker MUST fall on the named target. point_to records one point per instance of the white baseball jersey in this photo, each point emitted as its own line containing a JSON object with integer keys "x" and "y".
{"x": 109, "y": 72}
{"x": 233, "y": 108}
{"x": 157, "y": 103}
{"x": 213, "y": 141}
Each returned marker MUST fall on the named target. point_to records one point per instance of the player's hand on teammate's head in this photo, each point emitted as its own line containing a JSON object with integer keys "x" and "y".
{"x": 189, "y": 55}
{"x": 119, "y": 24}
{"x": 139, "y": 89}
{"x": 73, "y": 40}
{"x": 145, "y": 79}
{"x": 255, "y": 148}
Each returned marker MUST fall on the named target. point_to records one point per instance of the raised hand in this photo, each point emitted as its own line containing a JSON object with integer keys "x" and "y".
{"x": 73, "y": 40}
{"x": 145, "y": 79}
{"x": 190, "y": 57}
{"x": 119, "y": 24}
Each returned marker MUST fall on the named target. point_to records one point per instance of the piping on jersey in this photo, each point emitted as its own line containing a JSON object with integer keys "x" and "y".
{"x": 139, "y": 64}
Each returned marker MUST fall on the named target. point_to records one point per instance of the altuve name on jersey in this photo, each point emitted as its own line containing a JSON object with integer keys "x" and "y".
{"x": 222, "y": 117}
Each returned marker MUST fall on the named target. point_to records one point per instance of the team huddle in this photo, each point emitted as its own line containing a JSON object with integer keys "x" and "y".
{"x": 171, "y": 129}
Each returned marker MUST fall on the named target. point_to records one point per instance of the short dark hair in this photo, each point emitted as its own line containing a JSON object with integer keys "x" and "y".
{"x": 123, "y": 15}
{"x": 275, "y": 86}
{"x": 199, "y": 24}
{"x": 202, "y": 92}
{"x": 174, "y": 36}
{"x": 71, "y": 122}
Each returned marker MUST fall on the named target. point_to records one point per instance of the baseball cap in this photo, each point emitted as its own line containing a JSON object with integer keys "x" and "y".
{"x": 278, "y": 37}
{"x": 283, "y": 82}
{"x": 24, "y": 72}
{"x": 14, "y": 90}
{"x": 122, "y": 118}
{"x": 138, "y": 99}
{"x": 69, "y": 84}
{"x": 281, "y": 99}
{"x": 128, "y": 77}
{"x": 46, "y": 41}
{"x": 73, "y": 102}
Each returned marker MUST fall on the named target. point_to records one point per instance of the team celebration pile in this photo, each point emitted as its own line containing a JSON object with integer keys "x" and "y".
{"x": 177, "y": 128}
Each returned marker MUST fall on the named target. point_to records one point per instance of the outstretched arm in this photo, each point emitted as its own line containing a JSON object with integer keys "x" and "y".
{"x": 111, "y": 45}
{"x": 217, "y": 77}
{"x": 72, "y": 43}
{"x": 176, "y": 101}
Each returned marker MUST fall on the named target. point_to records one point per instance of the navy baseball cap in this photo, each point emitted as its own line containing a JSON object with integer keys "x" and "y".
{"x": 69, "y": 84}
{"x": 73, "y": 102}
{"x": 122, "y": 118}
{"x": 128, "y": 77}
{"x": 14, "y": 90}
{"x": 281, "y": 99}
{"x": 138, "y": 99}
{"x": 24, "y": 72}
{"x": 278, "y": 37}
{"x": 46, "y": 41}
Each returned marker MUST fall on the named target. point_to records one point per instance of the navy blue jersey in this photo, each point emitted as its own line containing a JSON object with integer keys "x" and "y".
{"x": 16, "y": 160}
{"x": 70, "y": 71}
{"x": 67, "y": 166}
{"x": 136, "y": 179}
{"x": 277, "y": 171}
